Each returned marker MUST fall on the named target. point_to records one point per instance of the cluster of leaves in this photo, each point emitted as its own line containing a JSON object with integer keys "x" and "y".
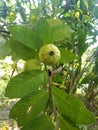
{"x": 44, "y": 103}
{"x": 36, "y": 110}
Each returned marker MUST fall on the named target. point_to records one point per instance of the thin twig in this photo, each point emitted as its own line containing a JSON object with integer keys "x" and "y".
{"x": 58, "y": 70}
{"x": 15, "y": 68}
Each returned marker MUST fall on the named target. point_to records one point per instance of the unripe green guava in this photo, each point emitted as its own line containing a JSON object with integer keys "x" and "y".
{"x": 49, "y": 54}
{"x": 32, "y": 64}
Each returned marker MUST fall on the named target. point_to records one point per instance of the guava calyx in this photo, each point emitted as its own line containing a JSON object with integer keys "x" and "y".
{"x": 51, "y": 53}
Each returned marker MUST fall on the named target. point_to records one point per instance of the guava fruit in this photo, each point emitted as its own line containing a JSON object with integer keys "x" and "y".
{"x": 49, "y": 54}
{"x": 32, "y": 64}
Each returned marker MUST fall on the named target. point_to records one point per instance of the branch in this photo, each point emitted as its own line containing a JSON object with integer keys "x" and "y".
{"x": 5, "y": 31}
{"x": 55, "y": 114}
{"x": 50, "y": 74}
{"x": 58, "y": 70}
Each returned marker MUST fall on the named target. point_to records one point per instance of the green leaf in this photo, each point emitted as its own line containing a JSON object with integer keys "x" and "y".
{"x": 58, "y": 11}
{"x": 52, "y": 30}
{"x": 72, "y": 108}
{"x": 91, "y": 4}
{"x": 26, "y": 36}
{"x": 82, "y": 45}
{"x": 67, "y": 56}
{"x": 11, "y": 17}
{"x": 54, "y": 22}
{"x": 87, "y": 18}
{"x": 25, "y": 82}
{"x": 34, "y": 14}
{"x": 29, "y": 107}
{"x": 21, "y": 50}
{"x": 44, "y": 31}
{"x": 88, "y": 78}
{"x": 96, "y": 11}
{"x": 84, "y": 5}
{"x": 40, "y": 123}
{"x": 60, "y": 31}
{"x": 56, "y": 2}
{"x": 65, "y": 125}
{"x": 4, "y": 49}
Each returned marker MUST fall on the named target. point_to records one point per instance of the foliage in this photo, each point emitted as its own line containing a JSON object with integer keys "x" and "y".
{"x": 48, "y": 96}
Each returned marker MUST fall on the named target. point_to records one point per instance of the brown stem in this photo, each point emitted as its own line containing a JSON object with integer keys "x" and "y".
{"x": 58, "y": 70}
{"x": 55, "y": 114}
{"x": 53, "y": 102}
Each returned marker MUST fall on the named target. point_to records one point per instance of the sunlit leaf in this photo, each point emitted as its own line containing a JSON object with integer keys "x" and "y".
{"x": 67, "y": 56}
{"x": 25, "y": 82}
{"x": 72, "y": 108}
{"x": 64, "y": 124}
{"x": 40, "y": 123}
{"x": 26, "y": 36}
{"x": 22, "y": 51}
{"x": 44, "y": 31}
{"x": 29, "y": 107}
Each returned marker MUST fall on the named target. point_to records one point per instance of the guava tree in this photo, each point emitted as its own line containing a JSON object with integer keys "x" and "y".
{"x": 52, "y": 37}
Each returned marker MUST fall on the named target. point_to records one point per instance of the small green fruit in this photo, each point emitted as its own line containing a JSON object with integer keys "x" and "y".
{"x": 32, "y": 64}
{"x": 49, "y": 54}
